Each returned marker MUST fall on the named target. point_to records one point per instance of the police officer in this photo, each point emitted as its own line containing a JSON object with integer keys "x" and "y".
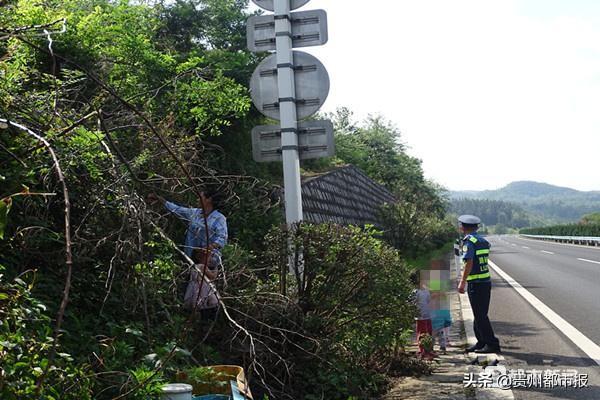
{"x": 476, "y": 273}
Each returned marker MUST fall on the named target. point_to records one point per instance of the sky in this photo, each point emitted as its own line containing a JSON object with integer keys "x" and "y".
{"x": 484, "y": 92}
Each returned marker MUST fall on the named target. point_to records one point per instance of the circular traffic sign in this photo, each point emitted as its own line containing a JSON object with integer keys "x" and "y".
{"x": 311, "y": 80}
{"x": 269, "y": 4}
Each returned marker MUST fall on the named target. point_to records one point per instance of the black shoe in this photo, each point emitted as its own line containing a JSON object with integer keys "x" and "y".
{"x": 474, "y": 347}
{"x": 488, "y": 349}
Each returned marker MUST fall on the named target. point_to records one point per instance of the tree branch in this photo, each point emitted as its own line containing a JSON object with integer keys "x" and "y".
{"x": 68, "y": 254}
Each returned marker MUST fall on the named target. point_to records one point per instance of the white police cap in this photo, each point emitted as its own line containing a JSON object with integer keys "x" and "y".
{"x": 469, "y": 220}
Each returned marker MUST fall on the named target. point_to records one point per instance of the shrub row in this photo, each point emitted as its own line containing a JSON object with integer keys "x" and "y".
{"x": 565, "y": 230}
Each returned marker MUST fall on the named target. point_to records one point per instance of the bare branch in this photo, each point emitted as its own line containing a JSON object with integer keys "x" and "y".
{"x": 69, "y": 256}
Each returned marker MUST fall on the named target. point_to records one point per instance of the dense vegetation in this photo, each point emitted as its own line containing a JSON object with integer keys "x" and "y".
{"x": 588, "y": 226}
{"x": 496, "y": 215}
{"x": 417, "y": 222}
{"x": 492, "y": 212}
{"x": 129, "y": 98}
{"x": 564, "y": 230}
{"x": 589, "y": 219}
{"x": 547, "y": 203}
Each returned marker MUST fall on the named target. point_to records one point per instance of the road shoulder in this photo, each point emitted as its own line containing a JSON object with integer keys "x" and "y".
{"x": 447, "y": 380}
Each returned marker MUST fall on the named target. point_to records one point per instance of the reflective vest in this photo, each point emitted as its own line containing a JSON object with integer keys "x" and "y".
{"x": 480, "y": 271}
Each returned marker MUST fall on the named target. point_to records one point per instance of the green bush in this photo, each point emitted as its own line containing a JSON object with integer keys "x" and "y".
{"x": 413, "y": 230}
{"x": 25, "y": 344}
{"x": 591, "y": 229}
{"x": 145, "y": 384}
{"x": 124, "y": 316}
{"x": 353, "y": 297}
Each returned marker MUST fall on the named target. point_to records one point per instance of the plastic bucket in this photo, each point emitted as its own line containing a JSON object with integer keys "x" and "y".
{"x": 177, "y": 391}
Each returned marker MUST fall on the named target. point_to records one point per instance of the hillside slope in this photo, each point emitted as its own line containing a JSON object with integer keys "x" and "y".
{"x": 555, "y": 203}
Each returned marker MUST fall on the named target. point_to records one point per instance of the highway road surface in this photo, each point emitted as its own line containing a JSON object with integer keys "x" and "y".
{"x": 565, "y": 279}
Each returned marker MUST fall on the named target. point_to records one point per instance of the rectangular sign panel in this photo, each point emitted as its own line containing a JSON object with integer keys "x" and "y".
{"x": 315, "y": 140}
{"x": 309, "y": 28}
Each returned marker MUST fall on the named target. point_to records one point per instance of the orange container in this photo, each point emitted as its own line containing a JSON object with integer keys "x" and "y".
{"x": 220, "y": 381}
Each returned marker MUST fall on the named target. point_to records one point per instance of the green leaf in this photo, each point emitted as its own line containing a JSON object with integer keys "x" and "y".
{"x": 20, "y": 365}
{"x": 20, "y": 281}
{"x": 4, "y": 209}
{"x": 66, "y": 356}
{"x": 8, "y": 345}
{"x": 135, "y": 332}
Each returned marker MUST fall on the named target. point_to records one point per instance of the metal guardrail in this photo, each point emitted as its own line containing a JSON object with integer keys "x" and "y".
{"x": 584, "y": 240}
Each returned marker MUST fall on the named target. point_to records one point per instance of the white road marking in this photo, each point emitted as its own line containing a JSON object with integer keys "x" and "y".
{"x": 525, "y": 247}
{"x": 547, "y": 252}
{"x": 590, "y": 261}
{"x": 513, "y": 244}
{"x": 579, "y": 339}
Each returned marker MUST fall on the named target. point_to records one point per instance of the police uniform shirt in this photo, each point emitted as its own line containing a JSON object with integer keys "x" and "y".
{"x": 469, "y": 252}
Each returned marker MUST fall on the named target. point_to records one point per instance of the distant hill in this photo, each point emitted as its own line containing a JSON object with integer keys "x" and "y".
{"x": 552, "y": 203}
{"x": 495, "y": 212}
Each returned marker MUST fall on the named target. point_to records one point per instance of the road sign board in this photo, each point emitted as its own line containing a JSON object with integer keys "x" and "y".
{"x": 315, "y": 140}
{"x": 270, "y": 6}
{"x": 309, "y": 28}
{"x": 311, "y": 80}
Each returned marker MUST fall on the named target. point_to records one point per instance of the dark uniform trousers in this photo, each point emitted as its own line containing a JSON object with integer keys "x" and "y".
{"x": 479, "y": 297}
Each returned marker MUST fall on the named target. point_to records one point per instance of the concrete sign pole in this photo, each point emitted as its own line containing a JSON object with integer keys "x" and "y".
{"x": 287, "y": 107}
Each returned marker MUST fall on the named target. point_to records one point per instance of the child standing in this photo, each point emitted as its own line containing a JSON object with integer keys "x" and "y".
{"x": 441, "y": 320}
{"x": 422, "y": 298}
